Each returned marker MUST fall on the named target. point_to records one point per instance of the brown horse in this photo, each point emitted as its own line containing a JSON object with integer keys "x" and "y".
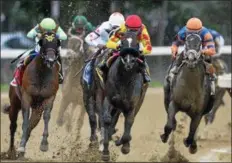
{"x": 38, "y": 91}
{"x": 71, "y": 88}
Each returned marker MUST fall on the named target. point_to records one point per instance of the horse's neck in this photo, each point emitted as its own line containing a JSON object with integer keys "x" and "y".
{"x": 191, "y": 77}
{"x": 42, "y": 71}
{"x": 122, "y": 76}
{"x": 76, "y": 63}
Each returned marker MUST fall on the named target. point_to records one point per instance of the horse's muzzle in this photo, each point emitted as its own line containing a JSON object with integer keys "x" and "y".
{"x": 50, "y": 62}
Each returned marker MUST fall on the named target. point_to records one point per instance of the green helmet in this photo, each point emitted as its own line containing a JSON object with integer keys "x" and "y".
{"x": 89, "y": 26}
{"x": 48, "y": 24}
{"x": 79, "y": 21}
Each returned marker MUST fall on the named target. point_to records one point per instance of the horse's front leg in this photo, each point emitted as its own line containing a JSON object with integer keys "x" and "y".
{"x": 99, "y": 104}
{"x": 126, "y": 138}
{"x": 171, "y": 122}
{"x": 107, "y": 122}
{"x": 190, "y": 140}
{"x": 26, "y": 102}
{"x": 47, "y": 107}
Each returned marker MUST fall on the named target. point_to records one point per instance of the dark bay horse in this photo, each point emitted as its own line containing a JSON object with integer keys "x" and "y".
{"x": 189, "y": 92}
{"x": 71, "y": 88}
{"x": 93, "y": 96}
{"x": 38, "y": 91}
{"x": 124, "y": 91}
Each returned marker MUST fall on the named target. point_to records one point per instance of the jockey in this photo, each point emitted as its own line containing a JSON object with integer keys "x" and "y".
{"x": 132, "y": 23}
{"x": 80, "y": 25}
{"x": 218, "y": 41}
{"x": 100, "y": 36}
{"x": 194, "y": 25}
{"x": 47, "y": 24}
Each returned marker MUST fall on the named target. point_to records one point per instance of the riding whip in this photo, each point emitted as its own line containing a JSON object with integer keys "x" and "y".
{"x": 19, "y": 56}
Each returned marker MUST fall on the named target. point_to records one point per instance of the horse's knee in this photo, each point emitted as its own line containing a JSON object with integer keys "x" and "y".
{"x": 13, "y": 127}
{"x": 46, "y": 116}
{"x": 107, "y": 119}
{"x": 92, "y": 118}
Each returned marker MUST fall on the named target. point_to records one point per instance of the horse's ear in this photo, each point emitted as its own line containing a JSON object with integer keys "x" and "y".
{"x": 41, "y": 29}
{"x": 55, "y": 30}
{"x": 40, "y": 42}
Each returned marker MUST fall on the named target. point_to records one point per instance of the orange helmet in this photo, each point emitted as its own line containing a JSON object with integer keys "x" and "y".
{"x": 194, "y": 24}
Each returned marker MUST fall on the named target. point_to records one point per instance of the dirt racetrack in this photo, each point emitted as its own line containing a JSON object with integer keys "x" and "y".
{"x": 214, "y": 142}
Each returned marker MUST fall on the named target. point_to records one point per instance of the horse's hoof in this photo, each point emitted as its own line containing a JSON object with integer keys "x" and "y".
{"x": 164, "y": 138}
{"x": 101, "y": 147}
{"x": 105, "y": 157}
{"x": 93, "y": 138}
{"x": 60, "y": 122}
{"x": 125, "y": 149}
{"x": 193, "y": 149}
{"x": 93, "y": 144}
{"x": 186, "y": 142}
{"x": 44, "y": 147}
{"x": 21, "y": 150}
{"x": 118, "y": 142}
{"x": 12, "y": 154}
{"x": 21, "y": 156}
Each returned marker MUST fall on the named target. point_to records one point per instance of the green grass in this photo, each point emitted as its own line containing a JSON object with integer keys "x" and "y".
{"x": 155, "y": 84}
{"x": 4, "y": 87}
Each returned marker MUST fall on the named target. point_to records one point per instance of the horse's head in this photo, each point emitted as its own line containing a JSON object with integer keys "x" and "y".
{"x": 129, "y": 52}
{"x": 76, "y": 46}
{"x": 192, "y": 52}
{"x": 49, "y": 44}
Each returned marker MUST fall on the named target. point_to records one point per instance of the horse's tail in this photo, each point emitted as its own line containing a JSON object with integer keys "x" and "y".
{"x": 6, "y": 109}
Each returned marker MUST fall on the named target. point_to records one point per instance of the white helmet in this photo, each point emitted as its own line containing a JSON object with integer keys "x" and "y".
{"x": 116, "y": 19}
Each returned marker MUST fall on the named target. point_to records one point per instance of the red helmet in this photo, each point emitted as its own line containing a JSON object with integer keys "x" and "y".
{"x": 133, "y": 21}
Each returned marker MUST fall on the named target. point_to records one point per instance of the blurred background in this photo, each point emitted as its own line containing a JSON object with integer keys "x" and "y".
{"x": 162, "y": 18}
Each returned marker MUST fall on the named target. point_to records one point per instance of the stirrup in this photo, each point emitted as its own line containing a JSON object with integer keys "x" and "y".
{"x": 100, "y": 75}
{"x": 212, "y": 87}
{"x": 61, "y": 78}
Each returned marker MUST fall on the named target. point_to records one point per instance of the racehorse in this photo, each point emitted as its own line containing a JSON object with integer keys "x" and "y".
{"x": 93, "y": 95}
{"x": 124, "y": 92}
{"x": 71, "y": 89}
{"x": 221, "y": 68}
{"x": 189, "y": 92}
{"x": 37, "y": 91}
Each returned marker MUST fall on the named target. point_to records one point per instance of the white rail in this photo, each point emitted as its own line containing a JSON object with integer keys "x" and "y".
{"x": 156, "y": 51}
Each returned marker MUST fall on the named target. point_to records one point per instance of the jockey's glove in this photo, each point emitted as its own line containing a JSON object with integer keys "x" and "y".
{"x": 39, "y": 35}
{"x": 101, "y": 46}
{"x": 174, "y": 50}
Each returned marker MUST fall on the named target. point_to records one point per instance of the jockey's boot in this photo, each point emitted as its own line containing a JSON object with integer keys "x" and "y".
{"x": 61, "y": 78}
{"x": 212, "y": 84}
{"x": 212, "y": 76}
{"x": 102, "y": 68}
{"x": 146, "y": 73}
{"x": 172, "y": 73}
{"x": 174, "y": 69}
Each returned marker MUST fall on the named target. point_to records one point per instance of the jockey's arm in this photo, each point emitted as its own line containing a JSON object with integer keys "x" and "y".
{"x": 61, "y": 34}
{"x": 112, "y": 43}
{"x": 146, "y": 41}
{"x": 178, "y": 40}
{"x": 208, "y": 45}
{"x": 70, "y": 31}
{"x": 33, "y": 32}
{"x": 92, "y": 38}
